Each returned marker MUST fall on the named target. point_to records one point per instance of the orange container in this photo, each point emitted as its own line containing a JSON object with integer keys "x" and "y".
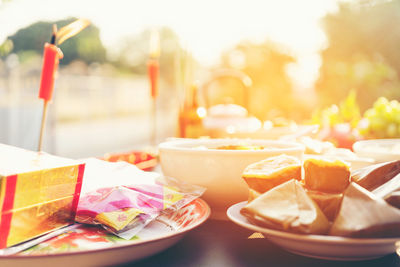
{"x": 143, "y": 160}
{"x": 38, "y": 193}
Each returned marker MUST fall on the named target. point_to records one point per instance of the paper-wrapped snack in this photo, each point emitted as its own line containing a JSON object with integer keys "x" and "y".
{"x": 328, "y": 203}
{"x": 383, "y": 180}
{"x": 374, "y": 176}
{"x": 394, "y": 199}
{"x": 363, "y": 214}
{"x": 287, "y": 207}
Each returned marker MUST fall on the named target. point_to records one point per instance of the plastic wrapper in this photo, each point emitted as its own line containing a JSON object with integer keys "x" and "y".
{"x": 287, "y": 207}
{"x": 126, "y": 208}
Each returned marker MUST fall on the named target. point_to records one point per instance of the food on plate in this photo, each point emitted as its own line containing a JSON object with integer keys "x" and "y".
{"x": 263, "y": 175}
{"x": 326, "y": 175}
{"x": 328, "y": 203}
{"x": 143, "y": 160}
{"x": 381, "y": 179}
{"x": 253, "y": 194}
{"x": 394, "y": 199}
{"x": 373, "y": 176}
{"x": 287, "y": 207}
{"x": 390, "y": 191}
{"x": 241, "y": 147}
{"x": 363, "y": 214}
{"x": 314, "y": 146}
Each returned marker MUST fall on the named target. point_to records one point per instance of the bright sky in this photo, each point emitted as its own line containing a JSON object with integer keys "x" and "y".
{"x": 205, "y": 27}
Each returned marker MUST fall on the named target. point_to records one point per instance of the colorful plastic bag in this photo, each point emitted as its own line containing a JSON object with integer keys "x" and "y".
{"x": 126, "y": 209}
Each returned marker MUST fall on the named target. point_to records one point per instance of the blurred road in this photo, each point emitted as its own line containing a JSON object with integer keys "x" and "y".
{"x": 95, "y": 138}
{"x": 83, "y": 138}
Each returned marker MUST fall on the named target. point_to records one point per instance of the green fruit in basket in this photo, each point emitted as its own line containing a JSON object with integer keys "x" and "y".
{"x": 370, "y": 113}
{"x": 380, "y": 104}
{"x": 395, "y": 105}
{"x": 383, "y": 119}
{"x": 377, "y": 123}
{"x": 391, "y": 130}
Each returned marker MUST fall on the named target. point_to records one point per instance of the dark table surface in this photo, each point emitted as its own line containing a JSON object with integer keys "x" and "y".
{"x": 223, "y": 243}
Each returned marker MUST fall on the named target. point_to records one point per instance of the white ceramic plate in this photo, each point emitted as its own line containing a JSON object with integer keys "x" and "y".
{"x": 92, "y": 246}
{"x": 381, "y": 150}
{"x": 320, "y": 246}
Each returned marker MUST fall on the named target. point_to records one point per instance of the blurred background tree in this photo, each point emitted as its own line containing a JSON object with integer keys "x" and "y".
{"x": 86, "y": 46}
{"x": 133, "y": 53}
{"x": 362, "y": 53}
{"x": 130, "y": 58}
{"x": 271, "y": 94}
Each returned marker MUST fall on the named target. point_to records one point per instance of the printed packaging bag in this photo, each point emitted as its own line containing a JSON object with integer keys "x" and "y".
{"x": 131, "y": 199}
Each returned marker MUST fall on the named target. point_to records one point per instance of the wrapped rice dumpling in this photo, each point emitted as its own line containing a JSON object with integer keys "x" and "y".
{"x": 287, "y": 207}
{"x": 327, "y": 202}
{"x": 363, "y": 214}
{"x": 374, "y": 176}
{"x": 383, "y": 180}
{"x": 394, "y": 199}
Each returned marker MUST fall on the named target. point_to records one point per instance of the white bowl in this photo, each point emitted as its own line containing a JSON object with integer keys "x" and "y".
{"x": 197, "y": 161}
{"x": 381, "y": 150}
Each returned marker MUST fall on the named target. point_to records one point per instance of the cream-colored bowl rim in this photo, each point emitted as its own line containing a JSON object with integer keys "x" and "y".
{"x": 194, "y": 145}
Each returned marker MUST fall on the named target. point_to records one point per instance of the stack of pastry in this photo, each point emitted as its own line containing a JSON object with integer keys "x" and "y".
{"x": 266, "y": 174}
{"x": 326, "y": 199}
{"x": 281, "y": 199}
{"x": 325, "y": 181}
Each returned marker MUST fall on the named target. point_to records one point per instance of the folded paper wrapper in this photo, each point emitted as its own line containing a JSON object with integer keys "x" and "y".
{"x": 328, "y": 203}
{"x": 38, "y": 193}
{"x": 363, "y": 214}
{"x": 376, "y": 175}
{"x": 287, "y": 207}
{"x": 383, "y": 180}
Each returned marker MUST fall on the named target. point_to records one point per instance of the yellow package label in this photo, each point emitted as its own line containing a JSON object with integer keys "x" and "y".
{"x": 171, "y": 196}
{"x": 119, "y": 219}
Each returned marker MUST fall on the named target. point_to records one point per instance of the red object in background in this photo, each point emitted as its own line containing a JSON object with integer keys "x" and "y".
{"x": 341, "y": 135}
{"x": 51, "y": 56}
{"x": 153, "y": 71}
{"x": 142, "y": 160}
